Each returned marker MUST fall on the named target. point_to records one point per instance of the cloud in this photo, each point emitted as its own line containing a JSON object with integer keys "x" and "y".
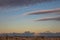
{"x": 21, "y": 2}
{"x": 43, "y": 11}
{"x": 49, "y": 18}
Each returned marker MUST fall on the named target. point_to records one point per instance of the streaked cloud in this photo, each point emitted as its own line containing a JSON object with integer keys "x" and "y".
{"x": 49, "y": 18}
{"x": 43, "y": 12}
{"x": 21, "y": 2}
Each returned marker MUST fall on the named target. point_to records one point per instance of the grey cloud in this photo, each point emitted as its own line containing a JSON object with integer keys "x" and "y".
{"x": 21, "y": 2}
{"x": 49, "y": 18}
{"x": 43, "y": 11}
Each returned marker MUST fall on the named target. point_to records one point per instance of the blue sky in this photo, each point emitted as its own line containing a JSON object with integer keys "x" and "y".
{"x": 12, "y": 21}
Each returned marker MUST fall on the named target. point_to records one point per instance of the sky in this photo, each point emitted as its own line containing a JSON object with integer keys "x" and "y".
{"x": 12, "y": 18}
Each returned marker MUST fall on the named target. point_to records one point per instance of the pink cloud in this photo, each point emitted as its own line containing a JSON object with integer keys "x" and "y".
{"x": 43, "y": 11}
{"x": 49, "y": 18}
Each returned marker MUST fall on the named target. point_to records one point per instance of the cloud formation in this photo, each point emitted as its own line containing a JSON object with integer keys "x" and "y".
{"x": 21, "y": 2}
{"x": 43, "y": 11}
{"x": 49, "y": 18}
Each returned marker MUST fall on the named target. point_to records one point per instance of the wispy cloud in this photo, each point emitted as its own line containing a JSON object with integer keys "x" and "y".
{"x": 21, "y": 2}
{"x": 49, "y": 18}
{"x": 43, "y": 11}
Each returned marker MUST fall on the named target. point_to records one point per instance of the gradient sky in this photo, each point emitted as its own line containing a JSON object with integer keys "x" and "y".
{"x": 12, "y": 20}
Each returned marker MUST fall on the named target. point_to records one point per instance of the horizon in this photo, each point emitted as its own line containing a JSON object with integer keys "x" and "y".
{"x": 31, "y": 32}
